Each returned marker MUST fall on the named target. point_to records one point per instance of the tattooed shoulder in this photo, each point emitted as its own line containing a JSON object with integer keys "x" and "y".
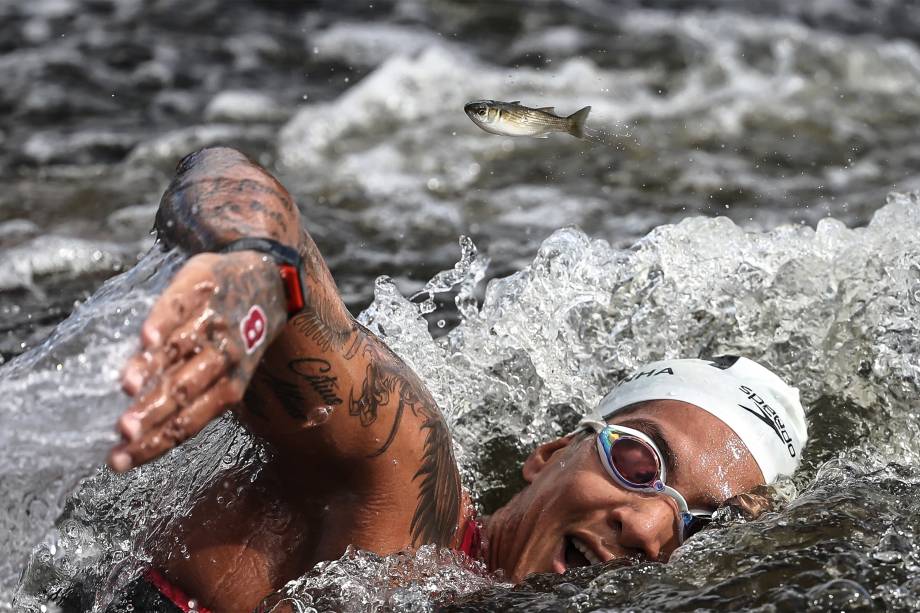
{"x": 387, "y": 381}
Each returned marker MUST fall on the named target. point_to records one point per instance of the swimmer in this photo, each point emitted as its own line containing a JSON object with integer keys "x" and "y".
{"x": 361, "y": 455}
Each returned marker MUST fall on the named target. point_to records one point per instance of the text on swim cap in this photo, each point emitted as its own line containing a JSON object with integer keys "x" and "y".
{"x": 767, "y": 415}
{"x": 648, "y": 373}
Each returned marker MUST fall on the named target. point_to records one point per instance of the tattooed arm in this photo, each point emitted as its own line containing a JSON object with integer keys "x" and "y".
{"x": 342, "y": 412}
{"x": 331, "y": 393}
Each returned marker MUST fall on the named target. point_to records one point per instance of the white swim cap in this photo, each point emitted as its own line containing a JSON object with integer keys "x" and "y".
{"x": 763, "y": 411}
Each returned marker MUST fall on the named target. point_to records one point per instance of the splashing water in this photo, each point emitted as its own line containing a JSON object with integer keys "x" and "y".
{"x": 795, "y": 113}
{"x": 361, "y": 581}
{"x": 834, "y": 310}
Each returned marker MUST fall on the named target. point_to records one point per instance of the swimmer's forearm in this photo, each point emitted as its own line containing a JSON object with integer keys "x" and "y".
{"x": 380, "y": 427}
{"x": 217, "y": 196}
{"x": 211, "y": 327}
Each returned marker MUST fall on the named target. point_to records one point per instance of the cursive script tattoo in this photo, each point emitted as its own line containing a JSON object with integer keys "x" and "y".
{"x": 315, "y": 371}
{"x": 361, "y": 343}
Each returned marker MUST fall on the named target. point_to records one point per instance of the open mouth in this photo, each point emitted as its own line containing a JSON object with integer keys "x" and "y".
{"x": 577, "y": 553}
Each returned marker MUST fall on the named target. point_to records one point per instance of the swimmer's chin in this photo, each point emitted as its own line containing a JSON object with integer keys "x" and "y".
{"x": 565, "y": 557}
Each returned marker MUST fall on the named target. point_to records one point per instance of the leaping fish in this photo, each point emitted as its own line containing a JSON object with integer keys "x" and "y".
{"x": 514, "y": 119}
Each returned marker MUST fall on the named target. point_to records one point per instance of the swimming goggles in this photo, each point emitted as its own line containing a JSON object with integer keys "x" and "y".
{"x": 634, "y": 461}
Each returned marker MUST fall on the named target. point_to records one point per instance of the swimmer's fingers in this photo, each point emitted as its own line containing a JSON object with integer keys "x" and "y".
{"x": 209, "y": 293}
{"x": 181, "y": 307}
{"x": 186, "y": 341}
{"x": 183, "y": 300}
{"x": 140, "y": 368}
{"x": 175, "y": 390}
{"x": 751, "y": 505}
{"x": 201, "y": 343}
{"x": 180, "y": 427}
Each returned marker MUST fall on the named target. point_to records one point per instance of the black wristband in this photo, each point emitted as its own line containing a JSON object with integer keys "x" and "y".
{"x": 289, "y": 264}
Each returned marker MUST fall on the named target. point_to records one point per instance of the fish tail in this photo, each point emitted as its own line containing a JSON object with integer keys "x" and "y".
{"x": 577, "y": 122}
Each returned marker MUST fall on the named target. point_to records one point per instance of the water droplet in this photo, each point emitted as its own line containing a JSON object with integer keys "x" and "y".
{"x": 888, "y": 557}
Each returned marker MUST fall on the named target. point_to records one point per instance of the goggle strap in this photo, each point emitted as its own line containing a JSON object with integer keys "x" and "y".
{"x": 681, "y": 502}
{"x": 589, "y": 424}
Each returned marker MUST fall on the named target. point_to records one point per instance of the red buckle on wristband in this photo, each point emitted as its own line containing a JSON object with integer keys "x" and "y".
{"x": 291, "y": 278}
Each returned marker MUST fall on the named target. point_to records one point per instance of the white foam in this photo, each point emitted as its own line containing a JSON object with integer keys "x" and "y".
{"x": 243, "y": 106}
{"x": 582, "y": 311}
{"x": 57, "y": 255}
{"x": 369, "y": 44}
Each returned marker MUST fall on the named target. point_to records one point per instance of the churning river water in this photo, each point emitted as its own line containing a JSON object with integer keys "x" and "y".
{"x": 753, "y": 196}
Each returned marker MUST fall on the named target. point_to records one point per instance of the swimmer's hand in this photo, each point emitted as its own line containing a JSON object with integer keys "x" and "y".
{"x": 749, "y": 505}
{"x": 200, "y": 345}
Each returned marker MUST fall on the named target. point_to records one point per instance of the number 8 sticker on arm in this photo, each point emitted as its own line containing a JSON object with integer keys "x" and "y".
{"x": 253, "y": 327}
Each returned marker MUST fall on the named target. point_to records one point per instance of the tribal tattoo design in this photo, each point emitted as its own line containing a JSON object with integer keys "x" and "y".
{"x": 387, "y": 378}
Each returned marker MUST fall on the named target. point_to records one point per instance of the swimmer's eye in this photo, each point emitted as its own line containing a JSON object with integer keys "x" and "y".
{"x": 481, "y": 112}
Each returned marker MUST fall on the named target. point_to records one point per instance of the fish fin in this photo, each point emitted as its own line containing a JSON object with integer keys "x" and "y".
{"x": 548, "y": 109}
{"x": 577, "y": 122}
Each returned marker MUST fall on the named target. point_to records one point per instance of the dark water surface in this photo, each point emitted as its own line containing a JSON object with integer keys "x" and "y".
{"x": 776, "y": 117}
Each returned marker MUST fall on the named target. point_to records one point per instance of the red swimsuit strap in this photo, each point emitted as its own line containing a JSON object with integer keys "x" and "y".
{"x": 173, "y": 593}
{"x": 471, "y": 546}
{"x": 472, "y": 539}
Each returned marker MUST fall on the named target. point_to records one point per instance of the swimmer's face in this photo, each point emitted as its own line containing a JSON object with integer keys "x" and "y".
{"x": 572, "y": 505}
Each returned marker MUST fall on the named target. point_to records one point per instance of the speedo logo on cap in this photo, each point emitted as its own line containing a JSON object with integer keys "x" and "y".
{"x": 765, "y": 413}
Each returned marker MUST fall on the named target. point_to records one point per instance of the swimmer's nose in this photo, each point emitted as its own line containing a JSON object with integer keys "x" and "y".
{"x": 648, "y": 528}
